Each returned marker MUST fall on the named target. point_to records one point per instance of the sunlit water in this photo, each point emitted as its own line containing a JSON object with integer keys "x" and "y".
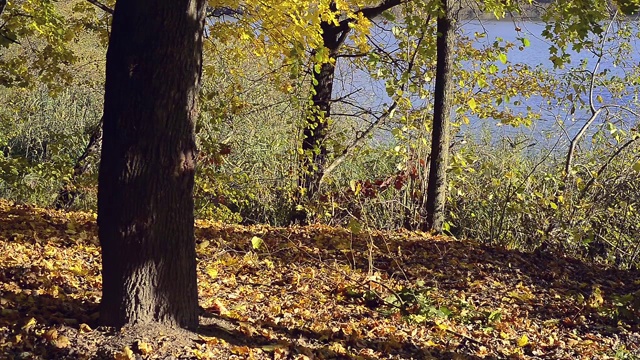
{"x": 557, "y": 124}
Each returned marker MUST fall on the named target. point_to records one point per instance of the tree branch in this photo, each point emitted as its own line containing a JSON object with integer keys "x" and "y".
{"x": 385, "y": 115}
{"x": 101, "y": 6}
{"x": 594, "y": 112}
{"x": 224, "y": 11}
{"x": 607, "y": 163}
{"x": 368, "y": 13}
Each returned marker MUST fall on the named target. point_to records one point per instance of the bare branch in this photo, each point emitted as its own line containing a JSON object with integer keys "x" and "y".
{"x": 594, "y": 112}
{"x": 381, "y": 119}
{"x": 370, "y": 12}
{"x": 101, "y": 6}
{"x": 224, "y": 11}
{"x": 607, "y": 163}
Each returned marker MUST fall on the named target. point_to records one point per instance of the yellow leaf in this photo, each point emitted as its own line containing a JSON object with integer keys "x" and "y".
{"x": 29, "y": 324}
{"x": 84, "y": 328}
{"x": 241, "y": 350}
{"x": 596, "y": 300}
{"x": 202, "y": 246}
{"x": 51, "y": 334}
{"x": 202, "y": 354}
{"x": 211, "y": 271}
{"x": 256, "y": 242}
{"x": 523, "y": 341}
{"x": 144, "y": 348}
{"x": 220, "y": 307}
{"x": 209, "y": 340}
{"x": 62, "y": 342}
{"x": 125, "y": 354}
{"x": 472, "y": 104}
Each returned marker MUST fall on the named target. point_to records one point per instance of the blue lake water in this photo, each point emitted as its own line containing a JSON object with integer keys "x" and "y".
{"x": 557, "y": 124}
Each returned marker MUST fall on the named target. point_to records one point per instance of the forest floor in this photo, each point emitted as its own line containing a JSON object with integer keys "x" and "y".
{"x": 318, "y": 293}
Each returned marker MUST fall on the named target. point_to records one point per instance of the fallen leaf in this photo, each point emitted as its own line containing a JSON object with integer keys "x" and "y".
{"x": 125, "y": 354}
{"x": 51, "y": 334}
{"x": 84, "y": 328}
{"x": 143, "y": 347}
{"x": 523, "y": 341}
{"x": 62, "y": 342}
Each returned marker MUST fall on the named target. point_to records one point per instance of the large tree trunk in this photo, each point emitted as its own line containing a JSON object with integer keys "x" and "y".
{"x": 437, "y": 186}
{"x": 145, "y": 197}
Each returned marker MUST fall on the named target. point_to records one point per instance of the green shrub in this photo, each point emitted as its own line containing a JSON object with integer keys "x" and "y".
{"x": 41, "y": 137}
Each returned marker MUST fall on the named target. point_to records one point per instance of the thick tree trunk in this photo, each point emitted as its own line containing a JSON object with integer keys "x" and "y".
{"x": 145, "y": 197}
{"x": 437, "y": 186}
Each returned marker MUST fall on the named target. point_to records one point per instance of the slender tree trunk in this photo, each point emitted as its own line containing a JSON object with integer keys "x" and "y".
{"x": 315, "y": 131}
{"x": 437, "y": 186}
{"x": 314, "y": 158}
{"x": 145, "y": 197}
{"x": 68, "y": 194}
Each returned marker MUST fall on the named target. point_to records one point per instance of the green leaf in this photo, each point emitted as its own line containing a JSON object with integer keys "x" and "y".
{"x": 354, "y": 226}
{"x": 503, "y": 58}
{"x": 256, "y": 242}
{"x": 494, "y": 316}
{"x": 636, "y": 166}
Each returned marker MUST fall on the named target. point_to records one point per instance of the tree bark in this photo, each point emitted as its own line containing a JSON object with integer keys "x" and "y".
{"x": 437, "y": 185}
{"x": 314, "y": 157}
{"x": 145, "y": 196}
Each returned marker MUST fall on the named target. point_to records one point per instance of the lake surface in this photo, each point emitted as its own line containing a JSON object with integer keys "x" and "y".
{"x": 557, "y": 122}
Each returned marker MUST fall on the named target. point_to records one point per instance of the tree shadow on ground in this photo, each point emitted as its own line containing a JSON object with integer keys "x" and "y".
{"x": 315, "y": 345}
{"x": 577, "y": 296}
{"x": 28, "y": 315}
{"x": 29, "y": 319}
{"x": 546, "y": 287}
{"x": 553, "y": 286}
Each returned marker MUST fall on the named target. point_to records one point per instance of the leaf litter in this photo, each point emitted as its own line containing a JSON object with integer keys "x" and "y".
{"x": 317, "y": 292}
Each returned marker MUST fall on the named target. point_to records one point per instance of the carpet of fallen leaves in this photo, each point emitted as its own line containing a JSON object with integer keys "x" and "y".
{"x": 317, "y": 293}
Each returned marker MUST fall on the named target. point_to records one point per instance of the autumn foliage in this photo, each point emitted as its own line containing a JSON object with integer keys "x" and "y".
{"x": 317, "y": 293}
